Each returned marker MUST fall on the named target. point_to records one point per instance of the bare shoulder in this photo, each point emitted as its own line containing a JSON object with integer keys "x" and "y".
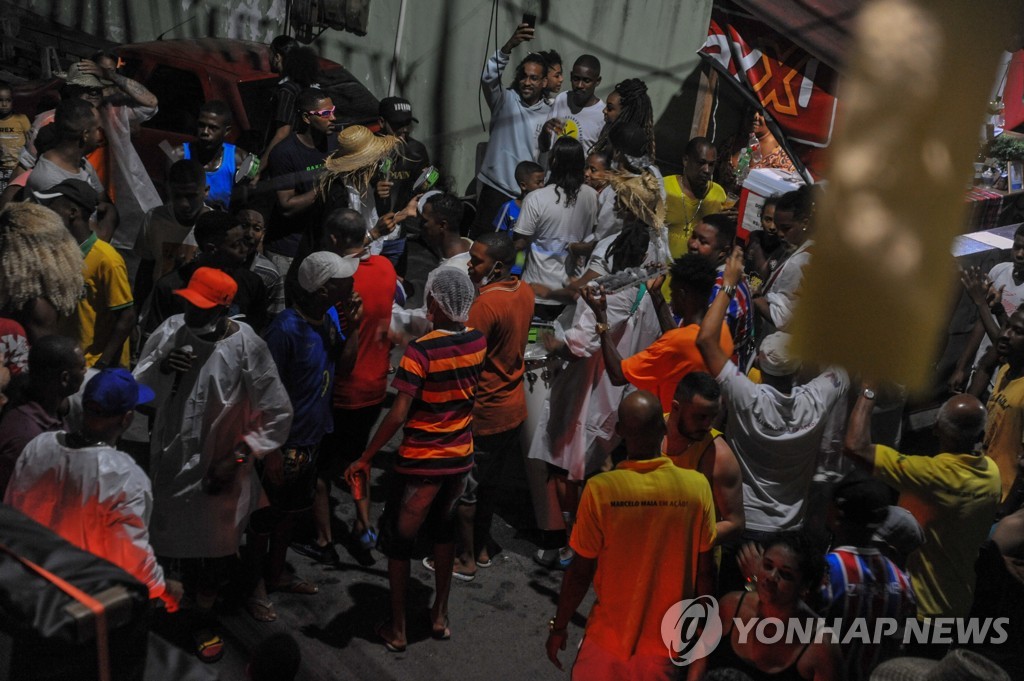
{"x": 821, "y": 661}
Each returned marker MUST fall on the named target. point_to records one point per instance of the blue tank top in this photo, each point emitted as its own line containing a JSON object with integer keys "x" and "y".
{"x": 221, "y": 180}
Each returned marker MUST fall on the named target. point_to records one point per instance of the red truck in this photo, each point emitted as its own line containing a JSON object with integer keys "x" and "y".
{"x": 184, "y": 73}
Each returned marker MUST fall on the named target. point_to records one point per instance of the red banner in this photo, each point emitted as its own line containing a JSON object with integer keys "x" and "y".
{"x": 795, "y": 88}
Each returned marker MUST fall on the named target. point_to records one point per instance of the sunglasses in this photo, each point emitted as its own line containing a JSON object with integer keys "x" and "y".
{"x": 326, "y": 113}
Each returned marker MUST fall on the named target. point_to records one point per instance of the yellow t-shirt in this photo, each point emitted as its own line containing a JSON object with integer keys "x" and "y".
{"x": 106, "y": 291}
{"x": 954, "y": 498}
{"x": 13, "y": 132}
{"x": 1004, "y": 429}
{"x": 645, "y": 522}
{"x": 683, "y": 213}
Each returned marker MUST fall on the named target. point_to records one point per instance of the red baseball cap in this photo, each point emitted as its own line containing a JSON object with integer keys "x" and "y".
{"x": 209, "y": 288}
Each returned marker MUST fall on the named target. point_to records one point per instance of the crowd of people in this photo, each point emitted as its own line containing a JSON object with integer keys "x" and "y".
{"x": 277, "y": 324}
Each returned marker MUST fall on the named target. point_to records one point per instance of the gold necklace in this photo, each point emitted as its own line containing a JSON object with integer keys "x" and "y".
{"x": 688, "y": 224}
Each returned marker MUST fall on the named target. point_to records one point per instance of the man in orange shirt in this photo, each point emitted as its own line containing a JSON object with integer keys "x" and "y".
{"x": 660, "y": 367}
{"x": 502, "y": 312}
{"x": 648, "y": 523}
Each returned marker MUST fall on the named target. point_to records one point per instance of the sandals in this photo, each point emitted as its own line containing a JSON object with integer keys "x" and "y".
{"x": 391, "y": 647}
{"x": 209, "y": 645}
{"x": 428, "y": 563}
{"x": 260, "y": 609}
{"x": 441, "y": 634}
{"x": 299, "y": 586}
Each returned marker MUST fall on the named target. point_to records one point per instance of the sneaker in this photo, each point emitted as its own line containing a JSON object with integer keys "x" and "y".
{"x": 368, "y": 540}
{"x": 325, "y": 555}
{"x": 554, "y": 559}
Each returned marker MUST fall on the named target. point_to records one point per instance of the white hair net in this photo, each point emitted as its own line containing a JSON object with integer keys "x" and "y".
{"x": 454, "y": 292}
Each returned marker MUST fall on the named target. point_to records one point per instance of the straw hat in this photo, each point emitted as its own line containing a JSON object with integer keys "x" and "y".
{"x": 359, "y": 148}
{"x": 958, "y": 665}
{"x": 640, "y": 195}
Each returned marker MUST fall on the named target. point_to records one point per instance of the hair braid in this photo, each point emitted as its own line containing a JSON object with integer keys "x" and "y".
{"x": 630, "y": 247}
{"x": 636, "y": 110}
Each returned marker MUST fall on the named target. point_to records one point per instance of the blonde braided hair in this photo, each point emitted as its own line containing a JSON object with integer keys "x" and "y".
{"x": 38, "y": 259}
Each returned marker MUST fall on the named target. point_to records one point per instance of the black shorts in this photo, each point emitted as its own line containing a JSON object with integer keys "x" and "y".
{"x": 415, "y": 504}
{"x": 296, "y": 491}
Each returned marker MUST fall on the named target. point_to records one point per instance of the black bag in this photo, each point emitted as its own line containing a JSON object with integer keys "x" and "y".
{"x": 45, "y": 633}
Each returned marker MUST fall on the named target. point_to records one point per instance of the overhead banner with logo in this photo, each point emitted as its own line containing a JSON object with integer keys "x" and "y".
{"x": 796, "y": 89}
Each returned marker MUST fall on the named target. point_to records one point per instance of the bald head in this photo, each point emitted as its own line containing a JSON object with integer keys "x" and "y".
{"x": 960, "y": 423}
{"x": 641, "y": 425}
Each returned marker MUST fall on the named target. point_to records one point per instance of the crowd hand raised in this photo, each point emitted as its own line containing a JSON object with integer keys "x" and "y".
{"x": 384, "y": 189}
{"x": 597, "y": 300}
{"x": 91, "y": 68}
{"x": 977, "y": 285}
{"x": 522, "y": 34}
{"x": 733, "y": 267}
{"x": 994, "y": 296}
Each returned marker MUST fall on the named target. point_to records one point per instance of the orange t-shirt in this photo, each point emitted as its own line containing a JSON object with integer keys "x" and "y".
{"x": 502, "y": 312}
{"x": 661, "y": 366}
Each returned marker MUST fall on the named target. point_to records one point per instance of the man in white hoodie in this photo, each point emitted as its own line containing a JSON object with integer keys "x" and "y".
{"x": 517, "y": 116}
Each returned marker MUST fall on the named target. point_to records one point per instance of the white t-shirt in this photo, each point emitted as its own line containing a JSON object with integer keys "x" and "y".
{"x": 589, "y": 121}
{"x": 551, "y": 226}
{"x": 608, "y": 224}
{"x": 1013, "y": 295}
{"x": 776, "y": 439}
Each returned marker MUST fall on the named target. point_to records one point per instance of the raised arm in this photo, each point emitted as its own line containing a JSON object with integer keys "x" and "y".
{"x": 857, "y": 443}
{"x": 727, "y": 486}
{"x": 598, "y": 302}
{"x": 134, "y": 91}
{"x": 490, "y": 79}
{"x": 708, "y": 338}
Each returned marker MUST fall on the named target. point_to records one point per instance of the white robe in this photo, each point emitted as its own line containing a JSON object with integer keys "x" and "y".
{"x": 579, "y": 433}
{"x": 232, "y": 394}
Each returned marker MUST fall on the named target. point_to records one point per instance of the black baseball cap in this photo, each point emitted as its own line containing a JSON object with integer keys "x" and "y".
{"x": 79, "y": 191}
{"x": 396, "y": 111}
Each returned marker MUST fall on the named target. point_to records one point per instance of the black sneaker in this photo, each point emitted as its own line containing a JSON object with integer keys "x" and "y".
{"x": 325, "y": 555}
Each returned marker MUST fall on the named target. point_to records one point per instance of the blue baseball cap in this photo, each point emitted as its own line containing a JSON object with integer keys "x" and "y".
{"x": 115, "y": 391}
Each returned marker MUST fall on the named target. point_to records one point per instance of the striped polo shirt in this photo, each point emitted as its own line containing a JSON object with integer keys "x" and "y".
{"x": 440, "y": 372}
{"x": 862, "y": 583}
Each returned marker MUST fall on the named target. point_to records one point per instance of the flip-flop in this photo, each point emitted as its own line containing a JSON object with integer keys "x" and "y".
{"x": 260, "y": 609}
{"x": 484, "y": 563}
{"x": 441, "y": 634}
{"x": 388, "y": 645}
{"x": 299, "y": 586}
{"x": 209, "y": 645}
{"x": 428, "y": 563}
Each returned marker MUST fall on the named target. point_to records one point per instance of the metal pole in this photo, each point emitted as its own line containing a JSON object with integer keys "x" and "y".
{"x": 398, "y": 49}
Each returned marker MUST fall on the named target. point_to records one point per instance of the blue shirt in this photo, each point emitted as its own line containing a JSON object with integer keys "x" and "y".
{"x": 305, "y": 356}
{"x": 505, "y": 221}
{"x": 222, "y": 180}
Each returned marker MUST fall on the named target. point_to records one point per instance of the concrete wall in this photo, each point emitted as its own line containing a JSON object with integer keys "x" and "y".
{"x": 443, "y": 48}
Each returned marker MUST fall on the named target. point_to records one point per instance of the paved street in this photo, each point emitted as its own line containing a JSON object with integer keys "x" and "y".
{"x": 498, "y": 621}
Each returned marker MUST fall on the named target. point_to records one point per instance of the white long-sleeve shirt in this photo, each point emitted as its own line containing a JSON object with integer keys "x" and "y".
{"x": 96, "y": 498}
{"x": 515, "y": 128}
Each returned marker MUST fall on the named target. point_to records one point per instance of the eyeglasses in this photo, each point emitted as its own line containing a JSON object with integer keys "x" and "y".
{"x": 326, "y": 113}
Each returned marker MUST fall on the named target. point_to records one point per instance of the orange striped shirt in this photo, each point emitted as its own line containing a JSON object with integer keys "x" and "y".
{"x": 440, "y": 372}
